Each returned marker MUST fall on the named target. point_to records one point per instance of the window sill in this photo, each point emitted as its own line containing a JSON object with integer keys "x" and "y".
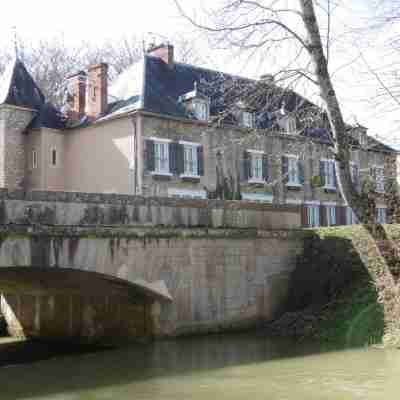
{"x": 329, "y": 188}
{"x": 188, "y": 176}
{"x": 161, "y": 175}
{"x": 256, "y": 181}
{"x": 294, "y": 186}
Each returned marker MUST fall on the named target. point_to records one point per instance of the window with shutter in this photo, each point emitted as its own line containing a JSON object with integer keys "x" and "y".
{"x": 313, "y": 217}
{"x": 328, "y": 174}
{"x": 191, "y": 159}
{"x": 256, "y": 166}
{"x": 158, "y": 156}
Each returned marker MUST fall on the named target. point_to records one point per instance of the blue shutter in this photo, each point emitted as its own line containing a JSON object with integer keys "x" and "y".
{"x": 172, "y": 148}
{"x": 285, "y": 169}
{"x": 300, "y": 167}
{"x": 334, "y": 175}
{"x": 246, "y": 165}
{"x": 150, "y": 162}
{"x": 200, "y": 160}
{"x": 265, "y": 168}
{"x": 322, "y": 172}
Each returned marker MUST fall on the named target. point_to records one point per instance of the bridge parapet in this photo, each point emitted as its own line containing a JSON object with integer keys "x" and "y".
{"x": 88, "y": 209}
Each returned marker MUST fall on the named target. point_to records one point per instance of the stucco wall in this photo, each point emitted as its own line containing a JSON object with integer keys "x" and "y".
{"x": 97, "y": 158}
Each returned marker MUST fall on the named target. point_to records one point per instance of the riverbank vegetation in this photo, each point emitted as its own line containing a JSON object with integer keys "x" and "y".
{"x": 338, "y": 289}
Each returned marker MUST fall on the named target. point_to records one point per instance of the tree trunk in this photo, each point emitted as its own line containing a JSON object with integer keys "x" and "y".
{"x": 335, "y": 116}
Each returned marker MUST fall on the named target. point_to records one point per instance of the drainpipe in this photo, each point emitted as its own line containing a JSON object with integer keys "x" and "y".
{"x": 132, "y": 159}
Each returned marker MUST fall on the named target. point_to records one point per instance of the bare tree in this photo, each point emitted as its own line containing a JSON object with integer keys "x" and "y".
{"x": 261, "y": 27}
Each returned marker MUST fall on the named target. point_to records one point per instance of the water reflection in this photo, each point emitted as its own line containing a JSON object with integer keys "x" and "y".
{"x": 216, "y": 367}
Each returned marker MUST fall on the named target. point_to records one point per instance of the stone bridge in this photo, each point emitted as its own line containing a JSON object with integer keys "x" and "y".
{"x": 106, "y": 268}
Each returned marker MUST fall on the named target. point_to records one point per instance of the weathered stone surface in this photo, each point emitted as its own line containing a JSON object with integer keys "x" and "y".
{"x": 84, "y": 209}
{"x": 218, "y": 279}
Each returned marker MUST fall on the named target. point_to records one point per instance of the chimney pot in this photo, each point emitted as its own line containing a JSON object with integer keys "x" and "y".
{"x": 164, "y": 52}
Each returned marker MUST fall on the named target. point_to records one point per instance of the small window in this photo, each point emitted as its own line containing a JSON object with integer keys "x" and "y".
{"x": 190, "y": 160}
{"x": 381, "y": 215}
{"x": 330, "y": 215}
{"x": 161, "y": 157}
{"x": 34, "y": 159}
{"x": 354, "y": 172}
{"x": 54, "y": 157}
{"x": 290, "y": 125}
{"x": 247, "y": 119}
{"x": 293, "y": 171}
{"x": 201, "y": 110}
{"x": 257, "y": 166}
{"x": 351, "y": 218}
{"x": 378, "y": 174}
{"x": 328, "y": 174}
{"x": 312, "y": 215}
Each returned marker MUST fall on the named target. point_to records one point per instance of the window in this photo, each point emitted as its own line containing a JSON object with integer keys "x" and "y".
{"x": 201, "y": 110}
{"x": 328, "y": 175}
{"x": 354, "y": 172}
{"x": 34, "y": 159}
{"x": 293, "y": 171}
{"x": 381, "y": 215}
{"x": 260, "y": 197}
{"x": 291, "y": 125}
{"x": 257, "y": 166}
{"x": 247, "y": 119}
{"x": 378, "y": 174}
{"x": 312, "y": 215}
{"x": 351, "y": 218}
{"x": 54, "y": 157}
{"x": 190, "y": 160}
{"x": 161, "y": 157}
{"x": 330, "y": 215}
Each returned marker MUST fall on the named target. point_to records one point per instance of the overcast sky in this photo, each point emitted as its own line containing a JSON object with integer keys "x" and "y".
{"x": 96, "y": 21}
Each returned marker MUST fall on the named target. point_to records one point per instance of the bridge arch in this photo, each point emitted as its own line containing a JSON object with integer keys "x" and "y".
{"x": 77, "y": 305}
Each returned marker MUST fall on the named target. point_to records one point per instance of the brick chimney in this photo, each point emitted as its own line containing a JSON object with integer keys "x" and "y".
{"x": 164, "y": 51}
{"x": 76, "y": 98}
{"x": 97, "y": 90}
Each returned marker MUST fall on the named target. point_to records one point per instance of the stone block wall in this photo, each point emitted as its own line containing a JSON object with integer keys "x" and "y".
{"x": 87, "y": 209}
{"x": 218, "y": 279}
{"x": 13, "y": 122}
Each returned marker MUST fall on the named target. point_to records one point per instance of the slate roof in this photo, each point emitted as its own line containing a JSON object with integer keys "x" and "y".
{"x": 17, "y": 88}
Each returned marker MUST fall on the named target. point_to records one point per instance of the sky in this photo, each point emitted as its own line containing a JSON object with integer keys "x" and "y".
{"x": 353, "y": 56}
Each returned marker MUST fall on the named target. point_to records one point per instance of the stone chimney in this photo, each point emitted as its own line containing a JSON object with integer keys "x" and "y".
{"x": 97, "y": 90}
{"x": 164, "y": 51}
{"x": 76, "y": 98}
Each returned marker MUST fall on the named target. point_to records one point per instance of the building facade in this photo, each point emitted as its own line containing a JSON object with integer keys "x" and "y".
{"x": 169, "y": 129}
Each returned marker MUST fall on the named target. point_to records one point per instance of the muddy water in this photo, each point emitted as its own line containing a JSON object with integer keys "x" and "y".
{"x": 217, "y": 367}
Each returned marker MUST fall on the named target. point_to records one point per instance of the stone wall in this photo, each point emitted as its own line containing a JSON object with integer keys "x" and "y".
{"x": 85, "y": 209}
{"x": 219, "y": 279}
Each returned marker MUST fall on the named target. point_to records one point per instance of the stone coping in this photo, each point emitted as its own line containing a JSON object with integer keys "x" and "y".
{"x": 122, "y": 199}
{"x": 143, "y": 232}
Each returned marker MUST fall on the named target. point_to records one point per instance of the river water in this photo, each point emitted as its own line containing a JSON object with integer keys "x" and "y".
{"x": 243, "y": 366}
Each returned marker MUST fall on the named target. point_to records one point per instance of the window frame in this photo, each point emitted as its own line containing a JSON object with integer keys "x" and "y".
{"x": 329, "y": 172}
{"x": 247, "y": 119}
{"x": 34, "y": 164}
{"x": 330, "y": 214}
{"x": 195, "y": 160}
{"x": 380, "y": 212}
{"x": 379, "y": 179}
{"x": 293, "y": 158}
{"x": 314, "y": 217}
{"x": 161, "y": 142}
{"x": 256, "y": 155}
{"x": 201, "y": 116}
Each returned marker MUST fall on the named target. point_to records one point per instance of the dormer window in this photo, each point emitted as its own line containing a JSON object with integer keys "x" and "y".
{"x": 247, "y": 119}
{"x": 290, "y": 125}
{"x": 201, "y": 109}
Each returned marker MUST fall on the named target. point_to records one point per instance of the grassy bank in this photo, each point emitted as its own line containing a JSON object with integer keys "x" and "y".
{"x": 336, "y": 285}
